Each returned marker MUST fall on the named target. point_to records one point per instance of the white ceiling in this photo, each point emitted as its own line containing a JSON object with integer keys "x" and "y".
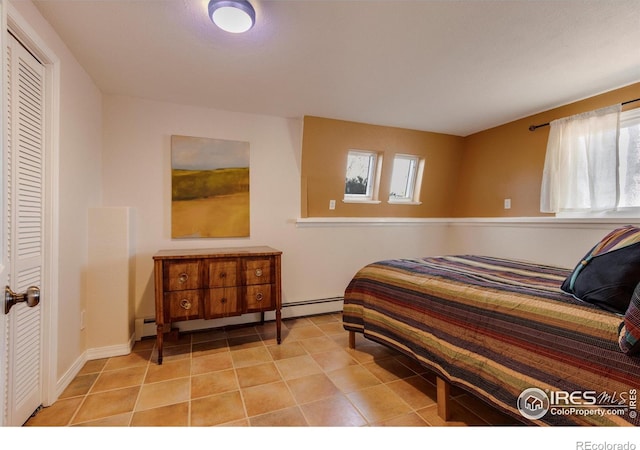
{"x": 448, "y": 66}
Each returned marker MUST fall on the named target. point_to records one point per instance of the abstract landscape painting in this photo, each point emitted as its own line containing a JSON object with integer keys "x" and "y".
{"x": 209, "y": 188}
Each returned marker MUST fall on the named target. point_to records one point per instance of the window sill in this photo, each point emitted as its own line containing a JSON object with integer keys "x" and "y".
{"x": 355, "y": 200}
{"x": 403, "y": 202}
{"x": 369, "y": 221}
{"x": 621, "y": 214}
{"x": 527, "y": 222}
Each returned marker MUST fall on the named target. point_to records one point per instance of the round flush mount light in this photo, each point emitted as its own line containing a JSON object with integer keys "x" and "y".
{"x": 234, "y": 16}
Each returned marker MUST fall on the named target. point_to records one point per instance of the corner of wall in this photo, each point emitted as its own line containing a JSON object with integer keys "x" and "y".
{"x": 110, "y": 277}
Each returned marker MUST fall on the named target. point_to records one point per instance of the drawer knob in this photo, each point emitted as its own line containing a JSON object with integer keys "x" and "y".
{"x": 183, "y": 277}
{"x": 258, "y": 272}
{"x": 223, "y": 300}
{"x": 223, "y": 275}
{"x": 259, "y": 296}
{"x": 185, "y": 304}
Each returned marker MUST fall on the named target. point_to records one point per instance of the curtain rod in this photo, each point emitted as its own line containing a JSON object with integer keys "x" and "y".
{"x": 535, "y": 127}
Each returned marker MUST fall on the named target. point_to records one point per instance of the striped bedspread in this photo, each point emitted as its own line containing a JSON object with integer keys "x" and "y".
{"x": 497, "y": 328}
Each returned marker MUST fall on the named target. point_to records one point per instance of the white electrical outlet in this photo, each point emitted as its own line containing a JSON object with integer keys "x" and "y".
{"x": 332, "y": 204}
{"x": 507, "y": 203}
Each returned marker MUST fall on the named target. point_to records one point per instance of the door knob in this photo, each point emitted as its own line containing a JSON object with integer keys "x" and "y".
{"x": 31, "y": 296}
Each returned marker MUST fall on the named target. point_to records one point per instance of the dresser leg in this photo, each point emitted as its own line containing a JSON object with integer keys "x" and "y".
{"x": 278, "y": 326}
{"x": 159, "y": 342}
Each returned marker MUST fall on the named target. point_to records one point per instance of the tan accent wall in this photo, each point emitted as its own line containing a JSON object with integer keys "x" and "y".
{"x": 464, "y": 176}
{"x": 507, "y": 161}
{"x": 326, "y": 143}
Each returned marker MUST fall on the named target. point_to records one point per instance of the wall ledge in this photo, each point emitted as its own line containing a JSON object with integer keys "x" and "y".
{"x": 561, "y": 222}
{"x": 309, "y": 222}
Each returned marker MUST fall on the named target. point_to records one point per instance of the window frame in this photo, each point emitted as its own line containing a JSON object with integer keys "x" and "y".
{"x": 628, "y": 119}
{"x": 373, "y": 180}
{"x": 414, "y": 180}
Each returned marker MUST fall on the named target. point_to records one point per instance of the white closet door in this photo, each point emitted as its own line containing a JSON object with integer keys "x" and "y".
{"x": 24, "y": 213}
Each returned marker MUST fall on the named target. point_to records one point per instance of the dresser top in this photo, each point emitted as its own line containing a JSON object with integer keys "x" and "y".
{"x": 216, "y": 252}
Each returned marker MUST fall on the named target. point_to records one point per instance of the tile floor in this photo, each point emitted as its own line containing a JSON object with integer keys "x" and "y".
{"x": 241, "y": 377}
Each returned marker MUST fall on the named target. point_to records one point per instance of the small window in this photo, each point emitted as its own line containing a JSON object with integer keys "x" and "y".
{"x": 405, "y": 179}
{"x": 626, "y": 179}
{"x": 361, "y": 176}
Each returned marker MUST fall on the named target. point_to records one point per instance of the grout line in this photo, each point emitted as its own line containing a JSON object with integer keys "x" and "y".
{"x": 135, "y": 404}
{"x": 244, "y": 403}
{"x": 297, "y": 403}
{"x": 190, "y": 383}
{"x": 86, "y": 394}
{"x": 266, "y": 338}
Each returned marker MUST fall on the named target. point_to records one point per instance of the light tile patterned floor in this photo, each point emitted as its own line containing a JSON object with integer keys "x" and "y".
{"x": 241, "y": 377}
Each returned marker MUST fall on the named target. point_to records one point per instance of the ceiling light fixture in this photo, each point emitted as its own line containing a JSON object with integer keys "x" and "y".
{"x": 234, "y": 16}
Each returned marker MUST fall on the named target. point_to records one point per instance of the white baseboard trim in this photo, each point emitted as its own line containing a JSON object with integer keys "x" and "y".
{"x": 89, "y": 355}
{"x": 147, "y": 327}
{"x": 111, "y": 350}
{"x": 69, "y": 375}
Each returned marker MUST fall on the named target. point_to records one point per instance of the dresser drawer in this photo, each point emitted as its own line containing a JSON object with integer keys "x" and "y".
{"x": 182, "y": 305}
{"x": 222, "y": 272}
{"x": 258, "y": 271}
{"x": 181, "y": 275}
{"x": 222, "y": 302}
{"x": 259, "y": 298}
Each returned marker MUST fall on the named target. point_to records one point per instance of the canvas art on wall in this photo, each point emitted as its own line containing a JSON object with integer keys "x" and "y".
{"x": 209, "y": 188}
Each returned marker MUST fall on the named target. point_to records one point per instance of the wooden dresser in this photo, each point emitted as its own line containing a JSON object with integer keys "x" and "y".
{"x": 211, "y": 283}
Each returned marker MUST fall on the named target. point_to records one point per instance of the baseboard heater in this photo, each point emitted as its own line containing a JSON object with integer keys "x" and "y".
{"x": 147, "y": 327}
{"x": 313, "y": 302}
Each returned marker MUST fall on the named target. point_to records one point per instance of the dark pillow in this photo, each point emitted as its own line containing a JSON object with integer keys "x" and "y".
{"x": 607, "y": 276}
{"x": 629, "y": 337}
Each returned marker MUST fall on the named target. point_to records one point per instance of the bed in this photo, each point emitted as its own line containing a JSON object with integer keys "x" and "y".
{"x": 502, "y": 330}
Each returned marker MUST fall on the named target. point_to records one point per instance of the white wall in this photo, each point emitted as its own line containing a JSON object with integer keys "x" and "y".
{"x": 550, "y": 241}
{"x": 79, "y": 161}
{"x": 317, "y": 261}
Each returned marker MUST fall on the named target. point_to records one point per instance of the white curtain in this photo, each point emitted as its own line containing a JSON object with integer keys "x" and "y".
{"x": 629, "y": 152}
{"x": 581, "y": 164}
